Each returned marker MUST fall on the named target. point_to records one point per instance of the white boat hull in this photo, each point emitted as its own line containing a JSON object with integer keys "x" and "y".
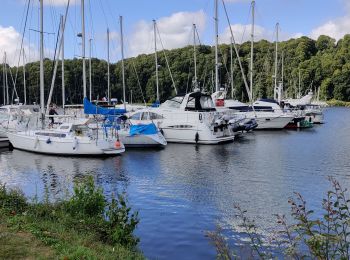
{"x": 63, "y": 146}
{"x": 139, "y": 141}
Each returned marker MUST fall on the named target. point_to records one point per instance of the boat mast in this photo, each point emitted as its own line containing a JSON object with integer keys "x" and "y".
{"x": 194, "y": 55}
{"x": 276, "y": 63}
{"x": 42, "y": 100}
{"x": 231, "y": 66}
{"x": 299, "y": 84}
{"x": 90, "y": 80}
{"x": 108, "y": 72}
{"x": 62, "y": 64}
{"x": 216, "y": 47}
{"x": 24, "y": 79}
{"x": 3, "y": 82}
{"x": 122, "y": 52}
{"x": 83, "y": 45}
{"x": 252, "y": 49}
{"x": 156, "y": 58}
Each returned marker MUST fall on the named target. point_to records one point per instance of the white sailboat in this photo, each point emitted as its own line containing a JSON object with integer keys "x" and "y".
{"x": 69, "y": 138}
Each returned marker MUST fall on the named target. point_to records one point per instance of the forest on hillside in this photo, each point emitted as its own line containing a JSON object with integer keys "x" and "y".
{"x": 323, "y": 64}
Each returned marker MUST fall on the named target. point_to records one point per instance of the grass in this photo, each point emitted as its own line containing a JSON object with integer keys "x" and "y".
{"x": 75, "y": 229}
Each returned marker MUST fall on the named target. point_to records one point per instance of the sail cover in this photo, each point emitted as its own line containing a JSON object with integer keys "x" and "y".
{"x": 143, "y": 129}
{"x": 91, "y": 109}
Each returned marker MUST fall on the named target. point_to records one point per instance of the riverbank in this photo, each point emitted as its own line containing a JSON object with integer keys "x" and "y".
{"x": 338, "y": 103}
{"x": 84, "y": 227}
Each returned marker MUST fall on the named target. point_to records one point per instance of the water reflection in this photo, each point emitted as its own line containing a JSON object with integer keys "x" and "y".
{"x": 184, "y": 190}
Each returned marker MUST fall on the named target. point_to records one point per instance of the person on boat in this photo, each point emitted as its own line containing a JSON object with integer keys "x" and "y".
{"x": 52, "y": 112}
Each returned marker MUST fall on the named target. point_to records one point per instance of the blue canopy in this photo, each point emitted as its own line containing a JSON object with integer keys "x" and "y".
{"x": 91, "y": 109}
{"x": 142, "y": 129}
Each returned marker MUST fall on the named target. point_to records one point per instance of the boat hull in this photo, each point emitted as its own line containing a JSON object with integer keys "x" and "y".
{"x": 63, "y": 146}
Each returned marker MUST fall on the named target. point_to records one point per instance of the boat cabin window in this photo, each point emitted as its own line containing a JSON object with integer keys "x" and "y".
{"x": 155, "y": 116}
{"x": 136, "y": 116}
{"x": 200, "y": 102}
{"x": 64, "y": 127}
{"x": 175, "y": 102}
{"x": 51, "y": 134}
{"x": 145, "y": 116}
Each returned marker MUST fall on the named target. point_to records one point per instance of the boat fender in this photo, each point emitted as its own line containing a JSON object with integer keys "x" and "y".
{"x": 36, "y": 142}
{"x": 162, "y": 132}
{"x": 196, "y": 138}
{"x": 200, "y": 117}
{"x": 117, "y": 144}
{"x": 75, "y": 143}
{"x": 48, "y": 141}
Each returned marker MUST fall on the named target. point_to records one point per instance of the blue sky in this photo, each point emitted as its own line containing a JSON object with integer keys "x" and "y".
{"x": 174, "y": 17}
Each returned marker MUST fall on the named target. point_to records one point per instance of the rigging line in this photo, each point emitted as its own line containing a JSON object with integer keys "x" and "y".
{"x": 92, "y": 31}
{"x": 188, "y": 76}
{"x": 239, "y": 60}
{"x": 138, "y": 81}
{"x": 166, "y": 59}
{"x": 104, "y": 14}
{"x": 20, "y": 52}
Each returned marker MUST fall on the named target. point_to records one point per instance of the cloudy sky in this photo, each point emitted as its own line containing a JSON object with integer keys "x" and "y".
{"x": 174, "y": 18}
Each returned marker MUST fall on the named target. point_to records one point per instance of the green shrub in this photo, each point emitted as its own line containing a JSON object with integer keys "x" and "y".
{"x": 327, "y": 237}
{"x": 12, "y": 200}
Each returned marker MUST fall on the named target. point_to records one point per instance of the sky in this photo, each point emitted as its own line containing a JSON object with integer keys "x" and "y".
{"x": 174, "y": 21}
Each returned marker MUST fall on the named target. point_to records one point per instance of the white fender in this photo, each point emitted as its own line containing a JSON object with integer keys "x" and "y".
{"x": 75, "y": 143}
{"x": 36, "y": 142}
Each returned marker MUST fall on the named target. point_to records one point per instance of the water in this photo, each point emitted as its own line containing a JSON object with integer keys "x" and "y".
{"x": 185, "y": 190}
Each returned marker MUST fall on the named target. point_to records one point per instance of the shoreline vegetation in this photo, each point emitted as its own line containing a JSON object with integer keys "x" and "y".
{"x": 338, "y": 103}
{"x": 323, "y": 66}
{"x": 86, "y": 226}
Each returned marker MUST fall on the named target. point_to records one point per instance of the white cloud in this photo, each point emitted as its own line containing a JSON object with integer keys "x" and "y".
{"x": 335, "y": 28}
{"x": 241, "y": 33}
{"x": 175, "y": 31}
{"x": 10, "y": 41}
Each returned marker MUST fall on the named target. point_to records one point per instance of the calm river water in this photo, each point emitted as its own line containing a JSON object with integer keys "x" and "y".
{"x": 185, "y": 190}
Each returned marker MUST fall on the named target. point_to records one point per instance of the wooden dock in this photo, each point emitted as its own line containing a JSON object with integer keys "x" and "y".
{"x": 4, "y": 142}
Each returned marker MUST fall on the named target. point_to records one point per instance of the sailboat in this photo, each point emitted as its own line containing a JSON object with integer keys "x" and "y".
{"x": 69, "y": 138}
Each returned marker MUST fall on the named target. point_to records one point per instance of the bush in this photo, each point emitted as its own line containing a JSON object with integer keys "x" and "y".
{"x": 12, "y": 201}
{"x": 327, "y": 237}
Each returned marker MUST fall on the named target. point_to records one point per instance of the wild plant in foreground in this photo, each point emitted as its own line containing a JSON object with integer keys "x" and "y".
{"x": 308, "y": 237}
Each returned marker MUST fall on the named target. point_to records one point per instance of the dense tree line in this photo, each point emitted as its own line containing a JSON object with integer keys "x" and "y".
{"x": 322, "y": 63}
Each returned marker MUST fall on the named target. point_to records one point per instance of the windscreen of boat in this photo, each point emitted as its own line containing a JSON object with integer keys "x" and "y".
{"x": 199, "y": 102}
{"x": 174, "y": 102}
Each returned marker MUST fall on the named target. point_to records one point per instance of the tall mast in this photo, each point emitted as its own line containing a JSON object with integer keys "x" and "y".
{"x": 155, "y": 57}
{"x": 42, "y": 100}
{"x": 108, "y": 75}
{"x": 90, "y": 80}
{"x": 194, "y": 55}
{"x": 231, "y": 66}
{"x": 24, "y": 79}
{"x": 83, "y": 45}
{"x": 282, "y": 75}
{"x": 299, "y": 84}
{"x": 252, "y": 49}
{"x": 276, "y": 62}
{"x": 3, "y": 82}
{"x": 6, "y": 81}
{"x": 62, "y": 64}
{"x": 122, "y": 52}
{"x": 216, "y": 47}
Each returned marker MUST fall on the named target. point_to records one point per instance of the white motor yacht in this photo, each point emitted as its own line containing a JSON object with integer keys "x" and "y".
{"x": 267, "y": 115}
{"x": 190, "y": 118}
